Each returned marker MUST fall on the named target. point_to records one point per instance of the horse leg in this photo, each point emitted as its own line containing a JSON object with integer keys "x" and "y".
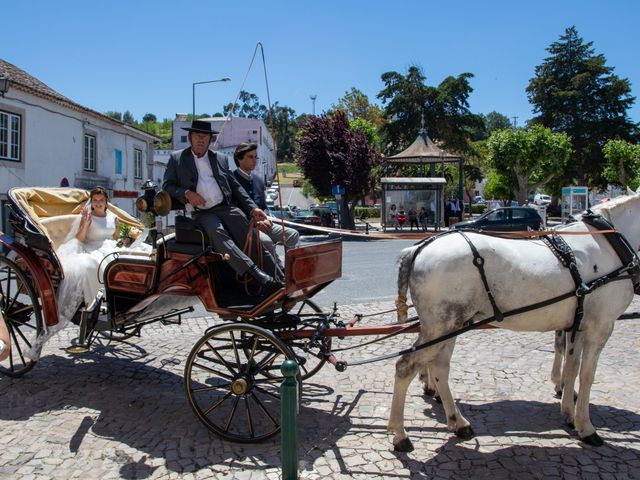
{"x": 556, "y": 370}
{"x": 428, "y": 384}
{"x": 406, "y": 369}
{"x": 572, "y": 355}
{"x": 439, "y": 369}
{"x": 590, "y": 354}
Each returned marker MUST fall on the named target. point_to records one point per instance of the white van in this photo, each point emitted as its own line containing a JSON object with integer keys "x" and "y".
{"x": 542, "y": 199}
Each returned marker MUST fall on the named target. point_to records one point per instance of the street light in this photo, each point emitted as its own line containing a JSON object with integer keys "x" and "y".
{"x": 193, "y": 97}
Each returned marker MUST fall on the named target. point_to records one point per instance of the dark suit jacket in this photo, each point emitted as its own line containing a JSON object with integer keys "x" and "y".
{"x": 254, "y": 187}
{"x": 182, "y": 175}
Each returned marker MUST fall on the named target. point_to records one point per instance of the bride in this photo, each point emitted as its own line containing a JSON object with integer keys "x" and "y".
{"x": 91, "y": 238}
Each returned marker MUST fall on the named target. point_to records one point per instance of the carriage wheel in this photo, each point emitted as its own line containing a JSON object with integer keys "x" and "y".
{"x": 232, "y": 380}
{"x": 21, "y": 309}
{"x": 305, "y": 353}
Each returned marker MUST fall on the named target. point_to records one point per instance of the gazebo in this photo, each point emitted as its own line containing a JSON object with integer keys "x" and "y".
{"x": 420, "y": 191}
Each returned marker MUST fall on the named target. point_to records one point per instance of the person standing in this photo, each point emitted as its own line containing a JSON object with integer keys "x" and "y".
{"x": 246, "y": 158}
{"x": 200, "y": 178}
{"x": 413, "y": 218}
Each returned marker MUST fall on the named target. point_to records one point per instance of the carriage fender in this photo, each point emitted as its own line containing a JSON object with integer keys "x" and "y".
{"x": 41, "y": 279}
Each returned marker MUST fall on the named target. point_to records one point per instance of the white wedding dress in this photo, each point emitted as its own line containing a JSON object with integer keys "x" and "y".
{"x": 83, "y": 264}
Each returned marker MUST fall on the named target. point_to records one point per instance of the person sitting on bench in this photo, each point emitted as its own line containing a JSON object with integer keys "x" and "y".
{"x": 197, "y": 176}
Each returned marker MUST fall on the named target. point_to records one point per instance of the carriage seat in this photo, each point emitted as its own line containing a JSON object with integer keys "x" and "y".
{"x": 189, "y": 237}
{"x": 57, "y": 228}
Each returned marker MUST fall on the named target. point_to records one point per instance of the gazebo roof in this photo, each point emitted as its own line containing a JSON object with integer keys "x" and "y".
{"x": 423, "y": 150}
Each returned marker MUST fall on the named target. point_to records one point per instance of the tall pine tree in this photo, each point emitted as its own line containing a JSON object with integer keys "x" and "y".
{"x": 575, "y": 92}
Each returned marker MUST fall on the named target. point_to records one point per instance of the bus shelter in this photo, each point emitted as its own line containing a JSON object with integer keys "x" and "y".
{"x": 413, "y": 192}
{"x": 422, "y": 152}
{"x": 574, "y": 200}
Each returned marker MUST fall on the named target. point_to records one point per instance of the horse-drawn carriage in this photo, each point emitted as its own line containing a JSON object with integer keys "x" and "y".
{"x": 459, "y": 280}
{"x": 232, "y": 373}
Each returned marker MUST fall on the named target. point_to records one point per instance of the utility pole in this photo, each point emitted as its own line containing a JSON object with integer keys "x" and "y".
{"x": 313, "y": 103}
{"x": 515, "y": 122}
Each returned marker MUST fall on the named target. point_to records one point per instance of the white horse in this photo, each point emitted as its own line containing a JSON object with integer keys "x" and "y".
{"x": 447, "y": 292}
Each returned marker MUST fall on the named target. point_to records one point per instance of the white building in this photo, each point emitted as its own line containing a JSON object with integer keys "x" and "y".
{"x": 47, "y": 139}
{"x": 233, "y": 131}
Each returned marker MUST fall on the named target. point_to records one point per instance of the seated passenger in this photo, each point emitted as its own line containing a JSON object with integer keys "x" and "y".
{"x": 5, "y": 340}
{"x": 92, "y": 237}
{"x": 197, "y": 177}
{"x": 246, "y": 158}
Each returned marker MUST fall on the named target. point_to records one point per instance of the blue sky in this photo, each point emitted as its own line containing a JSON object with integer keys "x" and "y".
{"x": 144, "y": 56}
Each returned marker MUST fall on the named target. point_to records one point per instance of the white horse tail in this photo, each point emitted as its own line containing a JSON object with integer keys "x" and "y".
{"x": 406, "y": 262}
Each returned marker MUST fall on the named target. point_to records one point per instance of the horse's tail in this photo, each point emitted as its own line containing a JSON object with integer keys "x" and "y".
{"x": 406, "y": 262}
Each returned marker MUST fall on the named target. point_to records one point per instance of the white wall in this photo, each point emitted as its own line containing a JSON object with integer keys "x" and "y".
{"x": 53, "y": 137}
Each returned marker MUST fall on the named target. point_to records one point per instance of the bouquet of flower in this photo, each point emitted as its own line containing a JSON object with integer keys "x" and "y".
{"x": 127, "y": 235}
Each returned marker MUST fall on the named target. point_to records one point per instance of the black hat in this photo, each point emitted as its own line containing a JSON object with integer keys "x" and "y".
{"x": 200, "y": 126}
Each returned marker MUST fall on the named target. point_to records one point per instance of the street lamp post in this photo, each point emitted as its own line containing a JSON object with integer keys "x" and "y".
{"x": 193, "y": 96}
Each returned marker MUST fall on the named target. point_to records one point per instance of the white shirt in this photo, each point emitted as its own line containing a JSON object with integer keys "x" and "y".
{"x": 207, "y": 187}
{"x": 2, "y": 346}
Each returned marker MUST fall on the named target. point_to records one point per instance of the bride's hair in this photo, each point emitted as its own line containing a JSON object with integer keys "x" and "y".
{"x": 98, "y": 191}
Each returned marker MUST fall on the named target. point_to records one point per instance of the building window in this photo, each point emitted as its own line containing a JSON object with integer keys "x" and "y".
{"x": 10, "y": 136}
{"x": 118, "y": 162}
{"x": 137, "y": 163}
{"x": 89, "y": 154}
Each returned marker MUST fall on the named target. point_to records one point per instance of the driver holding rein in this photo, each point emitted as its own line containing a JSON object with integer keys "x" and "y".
{"x": 200, "y": 178}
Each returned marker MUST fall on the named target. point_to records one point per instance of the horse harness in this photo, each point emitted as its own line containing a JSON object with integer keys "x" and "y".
{"x": 630, "y": 269}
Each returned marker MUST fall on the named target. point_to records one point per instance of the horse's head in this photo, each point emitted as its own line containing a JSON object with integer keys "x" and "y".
{"x": 624, "y": 213}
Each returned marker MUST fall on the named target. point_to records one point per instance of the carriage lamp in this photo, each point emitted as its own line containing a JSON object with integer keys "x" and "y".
{"x": 152, "y": 201}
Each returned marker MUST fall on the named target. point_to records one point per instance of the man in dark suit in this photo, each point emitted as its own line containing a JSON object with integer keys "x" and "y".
{"x": 246, "y": 158}
{"x": 199, "y": 178}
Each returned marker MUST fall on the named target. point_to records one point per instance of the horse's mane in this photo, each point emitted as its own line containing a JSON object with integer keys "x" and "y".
{"x": 605, "y": 208}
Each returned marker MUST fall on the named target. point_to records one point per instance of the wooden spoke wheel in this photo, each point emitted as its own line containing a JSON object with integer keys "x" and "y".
{"x": 308, "y": 354}
{"x": 20, "y": 307}
{"x": 232, "y": 381}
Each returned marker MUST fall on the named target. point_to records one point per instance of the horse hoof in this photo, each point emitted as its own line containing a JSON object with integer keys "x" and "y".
{"x": 465, "y": 433}
{"x": 438, "y": 399}
{"x": 430, "y": 392}
{"x": 571, "y": 425}
{"x": 558, "y": 394}
{"x": 403, "y": 445}
{"x": 594, "y": 440}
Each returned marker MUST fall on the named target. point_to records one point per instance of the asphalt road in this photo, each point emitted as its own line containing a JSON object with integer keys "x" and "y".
{"x": 369, "y": 270}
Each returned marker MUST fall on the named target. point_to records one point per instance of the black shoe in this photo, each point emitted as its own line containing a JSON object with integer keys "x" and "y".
{"x": 265, "y": 280}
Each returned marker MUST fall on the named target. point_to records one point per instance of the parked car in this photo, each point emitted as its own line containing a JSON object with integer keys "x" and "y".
{"x": 307, "y": 217}
{"x": 542, "y": 199}
{"x": 505, "y": 219}
{"x": 479, "y": 200}
{"x": 326, "y": 216}
{"x": 333, "y": 206}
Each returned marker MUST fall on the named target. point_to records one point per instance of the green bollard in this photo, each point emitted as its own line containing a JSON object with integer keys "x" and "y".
{"x": 289, "y": 417}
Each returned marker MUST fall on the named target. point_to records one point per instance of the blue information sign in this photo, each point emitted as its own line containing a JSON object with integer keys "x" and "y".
{"x": 337, "y": 190}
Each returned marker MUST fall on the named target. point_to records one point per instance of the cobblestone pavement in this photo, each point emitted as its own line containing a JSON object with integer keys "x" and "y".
{"x": 120, "y": 412}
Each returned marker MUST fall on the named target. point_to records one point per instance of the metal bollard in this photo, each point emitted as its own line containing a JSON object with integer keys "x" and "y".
{"x": 289, "y": 416}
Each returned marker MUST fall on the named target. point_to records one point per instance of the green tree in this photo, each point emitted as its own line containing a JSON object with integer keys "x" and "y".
{"x": 529, "y": 159}
{"x": 575, "y": 92}
{"x": 498, "y": 186}
{"x": 330, "y": 152}
{"x": 149, "y": 118}
{"x": 406, "y": 98}
{"x": 248, "y": 105}
{"x": 114, "y": 115}
{"x": 623, "y": 163}
{"x": 356, "y": 104}
{"x": 127, "y": 117}
{"x": 282, "y": 122}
